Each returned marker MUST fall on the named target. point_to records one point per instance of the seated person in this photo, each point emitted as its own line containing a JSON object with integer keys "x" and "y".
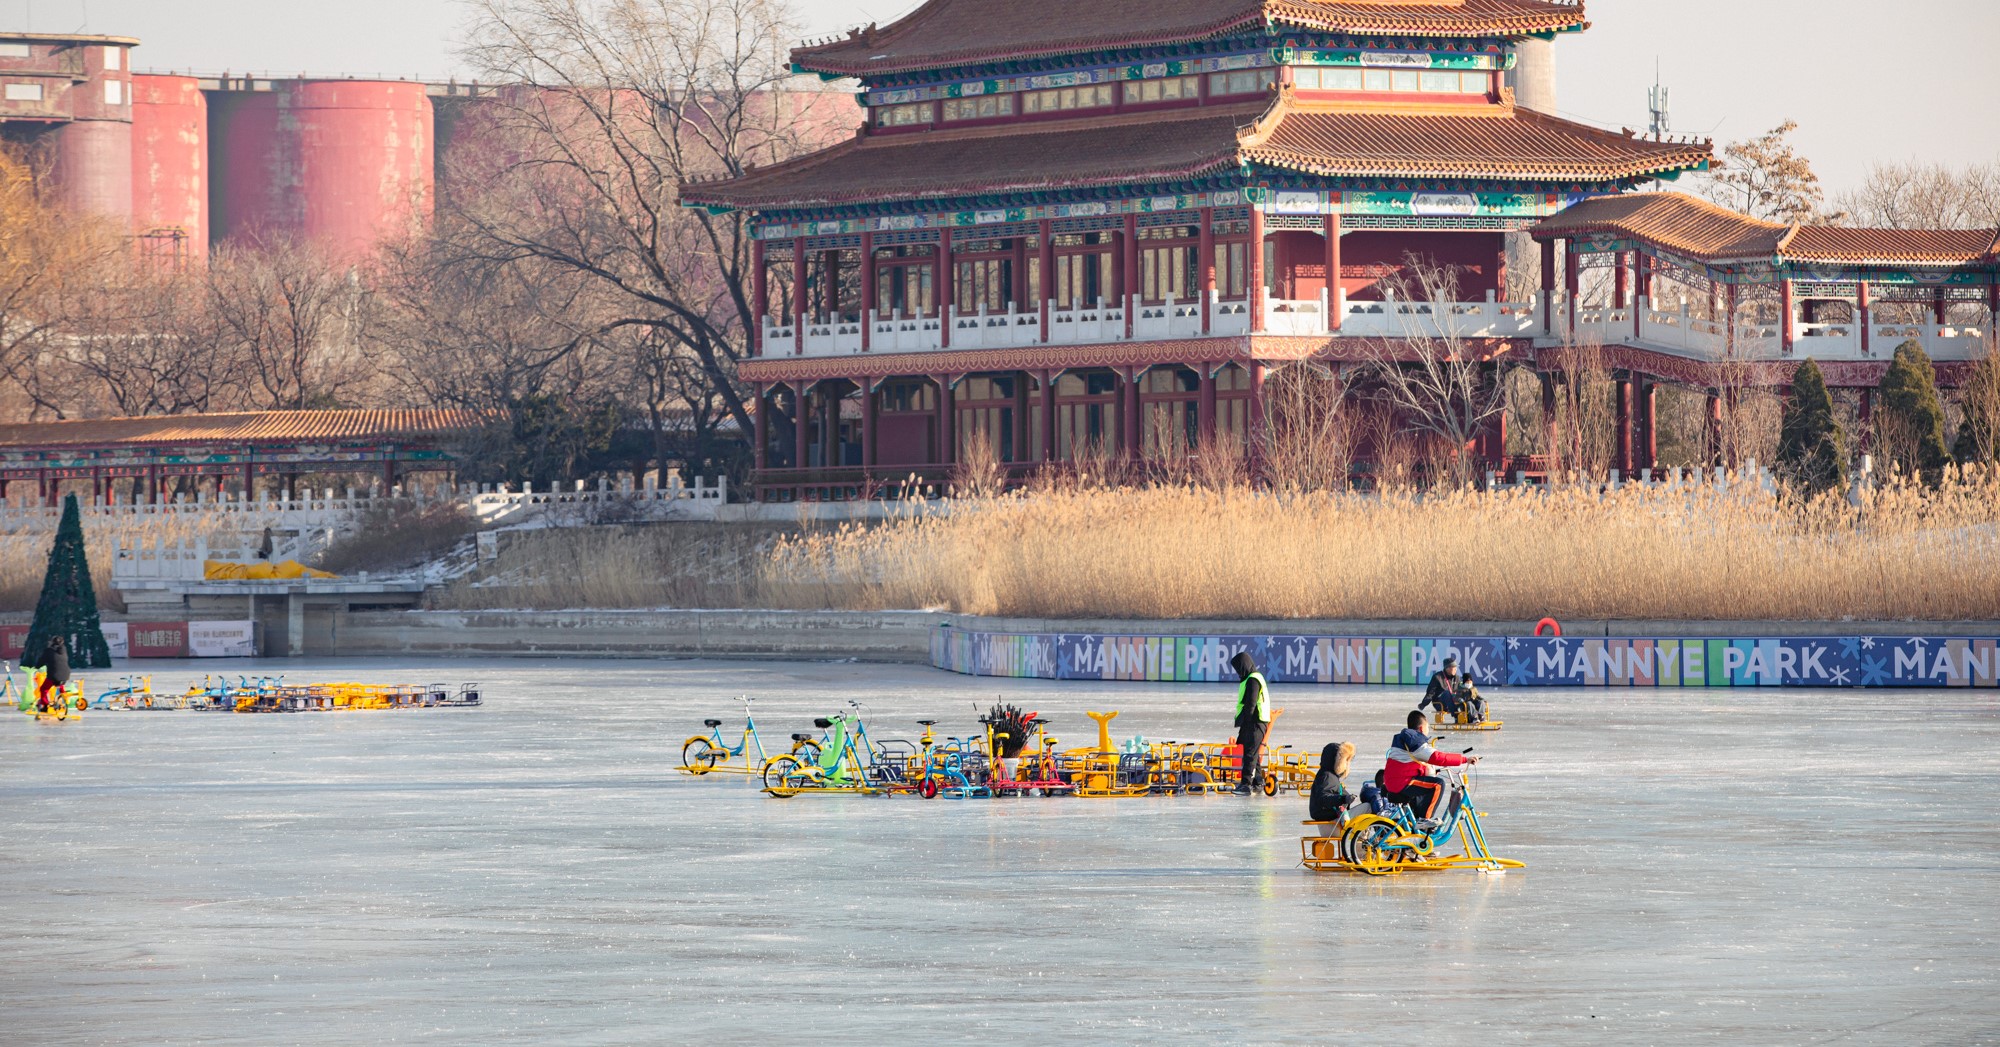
{"x": 1470, "y": 700}
{"x": 1330, "y": 799}
{"x": 1443, "y": 689}
{"x": 1410, "y": 752}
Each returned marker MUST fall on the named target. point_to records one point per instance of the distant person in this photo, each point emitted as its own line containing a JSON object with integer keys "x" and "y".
{"x": 1410, "y": 753}
{"x": 1470, "y": 700}
{"x": 55, "y": 674}
{"x": 1443, "y": 689}
{"x": 1253, "y": 716}
{"x": 1330, "y": 799}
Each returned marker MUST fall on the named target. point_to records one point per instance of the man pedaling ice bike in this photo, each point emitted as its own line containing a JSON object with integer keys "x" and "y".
{"x": 1403, "y": 780}
{"x": 1443, "y": 689}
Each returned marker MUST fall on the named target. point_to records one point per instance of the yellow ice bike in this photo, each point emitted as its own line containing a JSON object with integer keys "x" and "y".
{"x": 1396, "y": 841}
{"x": 839, "y": 767}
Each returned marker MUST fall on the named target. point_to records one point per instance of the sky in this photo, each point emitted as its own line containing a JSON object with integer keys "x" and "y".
{"x": 1867, "y": 81}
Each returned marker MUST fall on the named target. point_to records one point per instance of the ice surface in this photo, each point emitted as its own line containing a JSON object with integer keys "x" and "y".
{"x": 1731, "y": 867}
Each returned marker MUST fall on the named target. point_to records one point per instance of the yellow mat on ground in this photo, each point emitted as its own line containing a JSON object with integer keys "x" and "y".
{"x": 289, "y": 570}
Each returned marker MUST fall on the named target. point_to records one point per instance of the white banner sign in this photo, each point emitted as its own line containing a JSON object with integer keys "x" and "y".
{"x": 117, "y": 637}
{"x": 222, "y": 639}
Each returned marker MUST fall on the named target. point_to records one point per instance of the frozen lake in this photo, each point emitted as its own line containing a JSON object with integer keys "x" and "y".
{"x": 1729, "y": 867}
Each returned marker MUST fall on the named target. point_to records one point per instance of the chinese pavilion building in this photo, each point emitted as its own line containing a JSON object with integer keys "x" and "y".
{"x": 1093, "y": 227}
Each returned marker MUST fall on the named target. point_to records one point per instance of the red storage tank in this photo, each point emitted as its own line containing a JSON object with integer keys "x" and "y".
{"x": 170, "y": 162}
{"x": 92, "y": 171}
{"x": 345, "y": 163}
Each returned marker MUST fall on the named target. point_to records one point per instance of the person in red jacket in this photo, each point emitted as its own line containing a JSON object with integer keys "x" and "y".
{"x": 1410, "y": 752}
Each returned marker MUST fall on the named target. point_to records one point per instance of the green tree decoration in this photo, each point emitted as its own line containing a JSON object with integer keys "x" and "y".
{"x": 68, "y": 605}
{"x": 1812, "y": 450}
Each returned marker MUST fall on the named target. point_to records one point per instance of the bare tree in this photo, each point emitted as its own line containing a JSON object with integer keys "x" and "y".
{"x": 1764, "y": 177}
{"x": 1309, "y": 445}
{"x": 144, "y": 341}
{"x": 47, "y": 258}
{"x": 1434, "y": 378}
{"x": 295, "y": 319}
{"x": 624, "y": 101}
{"x": 1914, "y": 195}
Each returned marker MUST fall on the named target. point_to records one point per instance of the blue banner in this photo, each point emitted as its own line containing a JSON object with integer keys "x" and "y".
{"x": 1503, "y": 661}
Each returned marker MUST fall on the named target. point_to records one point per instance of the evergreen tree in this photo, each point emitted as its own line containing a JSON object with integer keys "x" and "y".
{"x": 1911, "y": 414}
{"x": 68, "y": 605}
{"x": 1812, "y": 450}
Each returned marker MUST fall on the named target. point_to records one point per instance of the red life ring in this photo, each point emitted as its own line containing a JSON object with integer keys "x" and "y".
{"x": 1551, "y": 624}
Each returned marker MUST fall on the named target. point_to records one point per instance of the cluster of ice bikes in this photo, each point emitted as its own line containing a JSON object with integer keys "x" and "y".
{"x": 1016, "y": 756}
{"x": 245, "y": 694}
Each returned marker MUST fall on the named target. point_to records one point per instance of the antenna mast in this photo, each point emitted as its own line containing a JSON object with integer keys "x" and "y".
{"x": 1657, "y": 101}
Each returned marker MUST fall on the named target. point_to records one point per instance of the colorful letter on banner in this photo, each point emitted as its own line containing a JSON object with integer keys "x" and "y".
{"x": 157, "y": 639}
{"x": 1516, "y": 661}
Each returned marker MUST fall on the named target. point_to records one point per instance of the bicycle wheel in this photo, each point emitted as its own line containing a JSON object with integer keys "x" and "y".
{"x": 700, "y": 755}
{"x": 1365, "y": 845}
{"x": 807, "y": 751}
{"x": 1270, "y": 784}
{"x": 927, "y": 787}
{"x": 779, "y": 773}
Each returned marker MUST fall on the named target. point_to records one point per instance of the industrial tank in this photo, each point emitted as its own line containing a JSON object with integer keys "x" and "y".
{"x": 170, "y": 164}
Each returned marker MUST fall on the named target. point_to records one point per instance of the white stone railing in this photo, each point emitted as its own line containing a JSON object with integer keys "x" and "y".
{"x": 1392, "y": 318}
{"x": 578, "y": 504}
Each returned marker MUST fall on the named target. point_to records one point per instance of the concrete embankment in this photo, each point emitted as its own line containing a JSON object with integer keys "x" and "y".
{"x": 905, "y": 636}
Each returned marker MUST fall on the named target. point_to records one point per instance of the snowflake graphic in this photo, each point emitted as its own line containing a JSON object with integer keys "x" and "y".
{"x": 1513, "y": 643}
{"x": 1850, "y": 647}
{"x": 1868, "y": 643}
{"x": 1874, "y": 671}
{"x": 1519, "y": 671}
{"x": 1838, "y": 677}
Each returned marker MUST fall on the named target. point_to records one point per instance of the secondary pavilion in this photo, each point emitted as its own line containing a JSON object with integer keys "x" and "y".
{"x": 1090, "y": 224}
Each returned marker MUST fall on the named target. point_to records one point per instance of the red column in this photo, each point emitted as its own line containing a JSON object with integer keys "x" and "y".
{"x": 801, "y": 424}
{"x": 947, "y": 420}
{"x": 1134, "y": 450}
{"x": 1729, "y": 303}
{"x": 1785, "y": 316}
{"x": 1649, "y": 420}
{"x": 1863, "y": 313}
{"x": 1715, "y": 426}
{"x": 1205, "y": 266}
{"x": 1046, "y": 251}
{"x": 799, "y": 295}
{"x": 1255, "y": 250}
{"x": 1128, "y": 277}
{"x": 868, "y": 412}
{"x": 867, "y": 290}
{"x": 947, "y": 284}
{"x": 1331, "y": 230}
{"x": 1549, "y": 286}
{"x": 760, "y": 297}
{"x": 1570, "y": 284}
{"x": 1257, "y": 420}
{"x": 1205, "y": 418}
{"x": 1624, "y": 424}
{"x": 1620, "y": 281}
{"x": 1048, "y": 396}
{"x": 1939, "y": 305}
{"x": 763, "y": 426}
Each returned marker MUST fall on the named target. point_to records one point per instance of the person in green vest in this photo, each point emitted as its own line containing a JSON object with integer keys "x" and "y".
{"x": 1253, "y": 716}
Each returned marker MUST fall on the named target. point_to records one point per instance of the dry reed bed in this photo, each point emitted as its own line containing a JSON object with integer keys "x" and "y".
{"x": 674, "y": 565}
{"x": 1637, "y": 552}
{"x": 25, "y": 543}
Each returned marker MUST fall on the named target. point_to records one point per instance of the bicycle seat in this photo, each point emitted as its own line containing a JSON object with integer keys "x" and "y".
{"x": 802, "y": 737}
{"x": 711, "y": 723}
{"x": 822, "y": 722}
{"x": 927, "y": 723}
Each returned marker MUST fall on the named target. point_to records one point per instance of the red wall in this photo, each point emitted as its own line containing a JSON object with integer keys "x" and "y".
{"x": 170, "y": 158}
{"x": 344, "y": 163}
{"x": 1367, "y": 257}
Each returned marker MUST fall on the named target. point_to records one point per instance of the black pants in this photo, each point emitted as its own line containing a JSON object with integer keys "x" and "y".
{"x": 1421, "y": 795}
{"x": 1250, "y": 736}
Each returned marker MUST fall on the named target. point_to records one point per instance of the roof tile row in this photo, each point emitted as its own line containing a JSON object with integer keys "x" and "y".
{"x": 242, "y": 428}
{"x": 1711, "y": 233}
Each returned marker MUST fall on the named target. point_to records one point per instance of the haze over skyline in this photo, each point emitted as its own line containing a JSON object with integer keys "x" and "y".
{"x": 1863, "y": 87}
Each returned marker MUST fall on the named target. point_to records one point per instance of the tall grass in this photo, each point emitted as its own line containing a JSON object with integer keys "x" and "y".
{"x": 25, "y": 543}
{"x": 672, "y": 565}
{"x": 1639, "y": 551}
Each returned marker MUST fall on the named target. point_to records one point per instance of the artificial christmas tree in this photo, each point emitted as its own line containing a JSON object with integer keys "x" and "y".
{"x": 68, "y": 605}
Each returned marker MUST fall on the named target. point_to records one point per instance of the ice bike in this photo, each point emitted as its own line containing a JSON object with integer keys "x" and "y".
{"x": 1396, "y": 840}
{"x": 840, "y": 768}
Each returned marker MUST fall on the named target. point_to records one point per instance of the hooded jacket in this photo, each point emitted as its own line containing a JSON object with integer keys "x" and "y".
{"x": 1408, "y": 754}
{"x": 55, "y": 663}
{"x": 1329, "y": 793}
{"x": 1253, "y": 694}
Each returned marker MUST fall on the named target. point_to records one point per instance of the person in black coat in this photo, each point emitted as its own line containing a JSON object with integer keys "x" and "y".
{"x": 55, "y": 673}
{"x": 1330, "y": 799}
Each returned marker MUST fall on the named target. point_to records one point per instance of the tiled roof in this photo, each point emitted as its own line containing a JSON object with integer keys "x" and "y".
{"x": 1703, "y": 230}
{"x": 1479, "y": 142}
{"x": 1009, "y": 157}
{"x": 964, "y": 32}
{"x": 241, "y": 428}
{"x": 1496, "y": 142}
